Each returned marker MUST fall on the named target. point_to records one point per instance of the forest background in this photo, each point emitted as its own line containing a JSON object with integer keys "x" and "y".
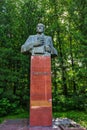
{"x": 66, "y": 22}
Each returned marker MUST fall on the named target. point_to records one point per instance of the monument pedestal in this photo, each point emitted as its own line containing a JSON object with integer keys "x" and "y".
{"x": 40, "y": 91}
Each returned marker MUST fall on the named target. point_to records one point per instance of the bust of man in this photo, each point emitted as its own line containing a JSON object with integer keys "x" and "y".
{"x": 39, "y": 44}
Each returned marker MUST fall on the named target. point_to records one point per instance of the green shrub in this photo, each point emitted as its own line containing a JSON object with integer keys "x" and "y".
{"x": 7, "y": 107}
{"x": 77, "y": 102}
{"x": 4, "y": 106}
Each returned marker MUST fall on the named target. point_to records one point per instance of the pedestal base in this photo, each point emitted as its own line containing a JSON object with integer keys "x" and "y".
{"x": 40, "y": 91}
{"x": 23, "y": 124}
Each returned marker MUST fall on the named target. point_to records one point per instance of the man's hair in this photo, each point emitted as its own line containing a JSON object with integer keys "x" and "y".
{"x": 41, "y": 25}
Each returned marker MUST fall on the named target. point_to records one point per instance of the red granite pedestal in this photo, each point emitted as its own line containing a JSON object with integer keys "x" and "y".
{"x": 40, "y": 91}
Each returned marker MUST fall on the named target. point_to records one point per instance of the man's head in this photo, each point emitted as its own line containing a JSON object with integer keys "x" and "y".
{"x": 40, "y": 28}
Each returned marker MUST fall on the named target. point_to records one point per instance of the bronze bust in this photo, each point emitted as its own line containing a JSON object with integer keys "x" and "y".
{"x": 39, "y": 44}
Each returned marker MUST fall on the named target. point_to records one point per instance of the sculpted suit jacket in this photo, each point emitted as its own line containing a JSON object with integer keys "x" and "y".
{"x": 39, "y": 44}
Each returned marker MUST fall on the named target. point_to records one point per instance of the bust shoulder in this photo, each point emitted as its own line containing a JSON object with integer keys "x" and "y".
{"x": 31, "y": 36}
{"x": 48, "y": 37}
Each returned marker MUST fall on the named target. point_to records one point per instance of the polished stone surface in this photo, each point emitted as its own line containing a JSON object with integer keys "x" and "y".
{"x": 40, "y": 91}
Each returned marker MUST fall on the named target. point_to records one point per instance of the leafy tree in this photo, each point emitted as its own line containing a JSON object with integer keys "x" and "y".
{"x": 66, "y": 22}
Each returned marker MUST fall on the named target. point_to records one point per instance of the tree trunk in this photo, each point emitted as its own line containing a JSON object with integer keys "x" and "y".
{"x": 64, "y": 85}
{"x": 72, "y": 63}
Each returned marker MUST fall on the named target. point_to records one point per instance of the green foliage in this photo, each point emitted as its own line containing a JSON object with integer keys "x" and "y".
{"x": 7, "y": 107}
{"x": 75, "y": 102}
{"x": 4, "y": 106}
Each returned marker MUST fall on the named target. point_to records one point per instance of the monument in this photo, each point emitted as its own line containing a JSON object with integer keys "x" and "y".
{"x": 39, "y": 44}
{"x": 41, "y": 49}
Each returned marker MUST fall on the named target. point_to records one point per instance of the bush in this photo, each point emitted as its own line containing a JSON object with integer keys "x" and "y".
{"x": 4, "y": 106}
{"x": 77, "y": 102}
{"x": 7, "y": 107}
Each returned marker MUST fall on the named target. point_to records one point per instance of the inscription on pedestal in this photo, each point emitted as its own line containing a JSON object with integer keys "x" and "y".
{"x": 40, "y": 73}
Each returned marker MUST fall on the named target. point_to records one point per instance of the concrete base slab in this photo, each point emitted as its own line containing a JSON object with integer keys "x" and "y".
{"x": 23, "y": 124}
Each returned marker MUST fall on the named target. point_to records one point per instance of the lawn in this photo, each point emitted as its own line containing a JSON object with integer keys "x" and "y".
{"x": 79, "y": 117}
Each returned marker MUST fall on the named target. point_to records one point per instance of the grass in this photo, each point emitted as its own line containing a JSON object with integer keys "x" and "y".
{"x": 21, "y": 115}
{"x": 79, "y": 117}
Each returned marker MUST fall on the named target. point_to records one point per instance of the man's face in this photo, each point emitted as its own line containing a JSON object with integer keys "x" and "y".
{"x": 40, "y": 28}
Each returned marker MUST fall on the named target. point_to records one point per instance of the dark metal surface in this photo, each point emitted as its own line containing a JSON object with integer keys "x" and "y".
{"x": 39, "y": 44}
